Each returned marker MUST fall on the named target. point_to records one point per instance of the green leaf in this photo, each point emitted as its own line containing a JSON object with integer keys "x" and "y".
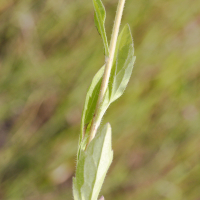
{"x": 99, "y": 19}
{"x": 90, "y": 103}
{"x": 89, "y": 109}
{"x": 92, "y": 166}
{"x": 123, "y": 64}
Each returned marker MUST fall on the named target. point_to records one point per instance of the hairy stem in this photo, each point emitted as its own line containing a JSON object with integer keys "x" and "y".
{"x": 108, "y": 66}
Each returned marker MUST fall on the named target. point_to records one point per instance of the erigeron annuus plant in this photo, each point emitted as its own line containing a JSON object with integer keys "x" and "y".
{"x": 95, "y": 153}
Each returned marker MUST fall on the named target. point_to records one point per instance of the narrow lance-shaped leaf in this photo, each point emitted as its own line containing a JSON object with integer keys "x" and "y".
{"x": 90, "y": 104}
{"x": 92, "y": 166}
{"x": 123, "y": 64}
{"x": 99, "y": 19}
{"x": 89, "y": 109}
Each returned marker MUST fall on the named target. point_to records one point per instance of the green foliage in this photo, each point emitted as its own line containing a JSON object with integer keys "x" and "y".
{"x": 92, "y": 166}
{"x": 90, "y": 104}
{"x": 99, "y": 19}
{"x": 120, "y": 75}
{"x": 123, "y": 64}
{"x": 94, "y": 160}
{"x": 48, "y": 56}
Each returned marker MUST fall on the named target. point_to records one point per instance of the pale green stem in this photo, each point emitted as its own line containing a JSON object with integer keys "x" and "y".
{"x": 108, "y": 66}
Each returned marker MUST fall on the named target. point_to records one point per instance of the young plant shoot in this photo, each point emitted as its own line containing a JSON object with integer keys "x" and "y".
{"x": 95, "y": 153}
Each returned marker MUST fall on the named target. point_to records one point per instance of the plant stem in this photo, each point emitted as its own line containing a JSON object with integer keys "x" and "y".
{"x": 108, "y": 66}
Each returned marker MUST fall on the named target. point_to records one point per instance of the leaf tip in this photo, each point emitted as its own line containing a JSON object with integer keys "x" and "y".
{"x": 108, "y": 126}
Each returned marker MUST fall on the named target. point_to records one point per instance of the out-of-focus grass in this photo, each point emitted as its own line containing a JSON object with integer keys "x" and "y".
{"x": 49, "y": 52}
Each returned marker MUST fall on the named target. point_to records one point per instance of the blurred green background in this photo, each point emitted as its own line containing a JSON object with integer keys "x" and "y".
{"x": 49, "y": 53}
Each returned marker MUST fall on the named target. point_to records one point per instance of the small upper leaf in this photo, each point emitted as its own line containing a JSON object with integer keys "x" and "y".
{"x": 90, "y": 102}
{"x": 89, "y": 109}
{"x": 99, "y": 19}
{"x": 92, "y": 166}
{"x": 123, "y": 64}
